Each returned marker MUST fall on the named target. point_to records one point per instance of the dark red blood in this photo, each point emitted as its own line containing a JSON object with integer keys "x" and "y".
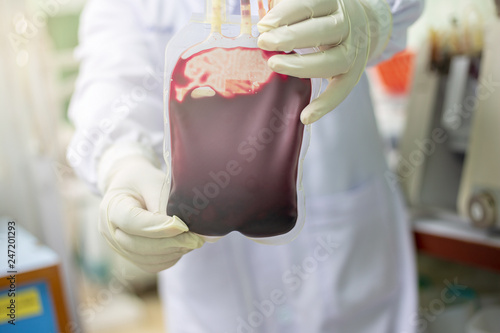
{"x": 207, "y": 133}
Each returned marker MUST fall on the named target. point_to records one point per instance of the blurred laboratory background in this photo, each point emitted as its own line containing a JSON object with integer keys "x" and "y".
{"x": 438, "y": 108}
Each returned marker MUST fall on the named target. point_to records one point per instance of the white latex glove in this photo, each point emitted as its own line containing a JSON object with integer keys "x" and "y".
{"x": 133, "y": 212}
{"x": 347, "y": 33}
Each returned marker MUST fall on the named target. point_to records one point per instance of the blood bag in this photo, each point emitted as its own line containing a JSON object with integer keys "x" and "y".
{"x": 233, "y": 137}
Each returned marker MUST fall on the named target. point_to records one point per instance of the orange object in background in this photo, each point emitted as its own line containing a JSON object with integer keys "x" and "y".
{"x": 396, "y": 73}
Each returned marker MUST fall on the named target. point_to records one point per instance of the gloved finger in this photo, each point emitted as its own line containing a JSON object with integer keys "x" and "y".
{"x": 154, "y": 190}
{"x": 323, "y": 64}
{"x": 290, "y": 12}
{"x": 175, "y": 254}
{"x": 149, "y": 263}
{"x": 325, "y": 30}
{"x": 112, "y": 242}
{"x": 336, "y": 91}
{"x": 156, "y": 246}
{"x": 125, "y": 211}
{"x": 155, "y": 268}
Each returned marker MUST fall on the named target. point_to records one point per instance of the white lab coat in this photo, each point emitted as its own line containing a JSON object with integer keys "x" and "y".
{"x": 351, "y": 270}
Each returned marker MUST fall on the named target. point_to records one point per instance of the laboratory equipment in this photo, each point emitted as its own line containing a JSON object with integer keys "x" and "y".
{"x": 450, "y": 155}
{"x": 32, "y": 294}
{"x": 479, "y": 196}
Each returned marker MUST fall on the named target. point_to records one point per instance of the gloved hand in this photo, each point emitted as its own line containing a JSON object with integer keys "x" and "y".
{"x": 132, "y": 213}
{"x": 347, "y": 33}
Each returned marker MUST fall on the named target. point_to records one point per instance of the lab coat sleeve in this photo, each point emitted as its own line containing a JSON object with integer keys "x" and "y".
{"x": 118, "y": 95}
{"x": 404, "y": 13}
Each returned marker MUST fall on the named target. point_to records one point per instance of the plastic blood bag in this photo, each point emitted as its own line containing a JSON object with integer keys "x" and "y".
{"x": 234, "y": 138}
{"x": 235, "y": 146}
